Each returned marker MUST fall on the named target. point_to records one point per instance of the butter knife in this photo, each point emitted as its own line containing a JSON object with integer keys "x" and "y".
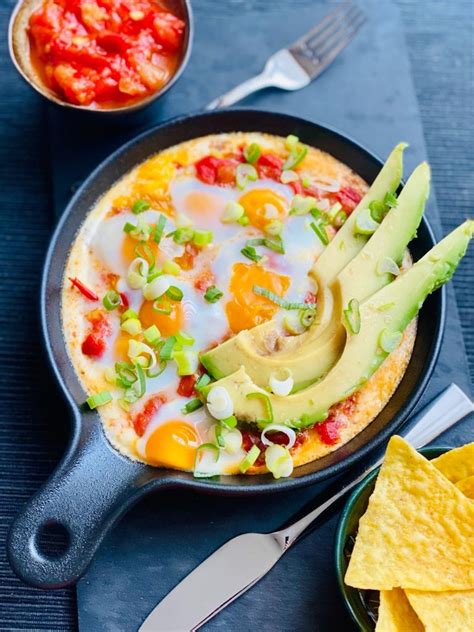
{"x": 210, "y": 587}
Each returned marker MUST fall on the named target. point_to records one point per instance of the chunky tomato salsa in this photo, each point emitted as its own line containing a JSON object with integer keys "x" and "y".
{"x": 105, "y": 53}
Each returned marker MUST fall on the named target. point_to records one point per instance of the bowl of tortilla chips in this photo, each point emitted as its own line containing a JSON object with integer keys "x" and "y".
{"x": 405, "y": 542}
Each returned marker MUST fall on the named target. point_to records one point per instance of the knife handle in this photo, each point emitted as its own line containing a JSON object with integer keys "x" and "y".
{"x": 437, "y": 417}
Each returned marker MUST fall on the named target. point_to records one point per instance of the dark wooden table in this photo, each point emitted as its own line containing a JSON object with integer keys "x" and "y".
{"x": 439, "y": 36}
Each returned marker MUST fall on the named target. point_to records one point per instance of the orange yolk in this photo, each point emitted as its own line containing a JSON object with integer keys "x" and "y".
{"x": 128, "y": 248}
{"x": 248, "y": 309}
{"x": 121, "y": 346}
{"x": 173, "y": 444}
{"x": 200, "y": 204}
{"x": 262, "y": 206}
{"x": 168, "y": 324}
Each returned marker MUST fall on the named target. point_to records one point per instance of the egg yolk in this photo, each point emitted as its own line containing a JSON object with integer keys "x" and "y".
{"x": 173, "y": 444}
{"x": 121, "y": 346}
{"x": 247, "y": 309}
{"x": 262, "y": 206}
{"x": 128, "y": 248}
{"x": 200, "y": 204}
{"x": 168, "y": 324}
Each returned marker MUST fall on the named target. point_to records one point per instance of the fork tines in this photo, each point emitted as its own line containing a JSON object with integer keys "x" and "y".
{"x": 320, "y": 46}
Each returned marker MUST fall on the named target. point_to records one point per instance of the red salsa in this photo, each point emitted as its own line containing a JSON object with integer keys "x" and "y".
{"x": 105, "y": 53}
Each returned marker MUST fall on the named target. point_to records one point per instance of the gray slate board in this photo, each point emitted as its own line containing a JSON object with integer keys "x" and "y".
{"x": 368, "y": 94}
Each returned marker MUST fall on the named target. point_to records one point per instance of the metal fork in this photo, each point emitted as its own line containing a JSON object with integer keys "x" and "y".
{"x": 295, "y": 67}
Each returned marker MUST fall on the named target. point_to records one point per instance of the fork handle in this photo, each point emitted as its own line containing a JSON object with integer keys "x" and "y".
{"x": 254, "y": 84}
{"x": 438, "y": 416}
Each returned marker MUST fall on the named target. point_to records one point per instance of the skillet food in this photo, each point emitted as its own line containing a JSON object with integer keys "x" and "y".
{"x": 245, "y": 303}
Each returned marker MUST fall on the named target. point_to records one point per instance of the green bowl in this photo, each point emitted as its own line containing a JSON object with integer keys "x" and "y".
{"x": 362, "y": 604}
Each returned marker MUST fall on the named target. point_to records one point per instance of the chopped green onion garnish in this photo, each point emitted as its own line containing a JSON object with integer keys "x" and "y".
{"x": 99, "y": 399}
{"x": 251, "y": 253}
{"x": 233, "y": 212}
{"x": 182, "y": 235}
{"x": 365, "y": 223}
{"x": 167, "y": 348}
{"x": 126, "y": 374}
{"x": 160, "y": 308}
{"x": 219, "y": 435}
{"x": 320, "y": 232}
{"x": 333, "y": 211}
{"x": 230, "y": 422}
{"x": 389, "y": 340}
{"x": 273, "y": 244}
{"x": 291, "y": 142}
{"x": 377, "y": 210}
{"x": 132, "y": 326}
{"x": 300, "y": 204}
{"x": 250, "y": 459}
{"x": 288, "y": 176}
{"x": 128, "y": 313}
{"x": 191, "y": 406}
{"x": 243, "y": 174}
{"x": 139, "y": 206}
{"x": 143, "y": 250}
{"x": 274, "y": 227}
{"x": 306, "y": 181}
{"x": 199, "y": 452}
{"x": 202, "y": 382}
{"x": 128, "y": 227}
{"x": 274, "y": 298}
{"x": 268, "y": 407}
{"x": 202, "y": 237}
{"x": 243, "y": 221}
{"x": 137, "y": 274}
{"x": 111, "y": 300}
{"x": 307, "y": 317}
{"x": 340, "y": 219}
{"x": 390, "y": 200}
{"x": 213, "y": 294}
{"x": 152, "y": 335}
{"x": 138, "y": 388}
{"x": 252, "y": 153}
{"x": 185, "y": 339}
{"x": 352, "y": 316}
{"x": 141, "y": 230}
{"x": 157, "y": 370}
{"x": 387, "y": 266}
{"x": 297, "y": 154}
{"x": 157, "y": 233}
{"x": 174, "y": 293}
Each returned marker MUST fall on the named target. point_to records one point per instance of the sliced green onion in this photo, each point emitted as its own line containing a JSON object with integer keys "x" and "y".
{"x": 132, "y": 326}
{"x": 278, "y": 461}
{"x": 243, "y": 174}
{"x": 141, "y": 230}
{"x": 352, "y": 316}
{"x": 138, "y": 388}
{"x": 186, "y": 360}
{"x": 291, "y": 141}
{"x": 306, "y": 181}
{"x": 171, "y": 267}
{"x": 141, "y": 354}
{"x": 389, "y": 340}
{"x": 231, "y": 440}
{"x": 174, "y": 293}
{"x": 365, "y": 223}
{"x": 288, "y": 176}
{"x": 157, "y": 370}
{"x": 128, "y": 313}
{"x": 185, "y": 339}
{"x": 307, "y": 317}
{"x": 152, "y": 335}
{"x": 209, "y": 447}
{"x": 99, "y": 399}
{"x": 138, "y": 273}
{"x": 182, "y": 235}
{"x": 202, "y": 238}
{"x": 128, "y": 227}
{"x": 321, "y": 233}
{"x": 167, "y": 348}
{"x": 274, "y": 227}
{"x": 213, "y": 294}
{"x": 292, "y": 323}
{"x": 377, "y": 210}
{"x": 340, "y": 219}
{"x": 251, "y": 253}
{"x": 243, "y": 221}
{"x": 230, "y": 422}
{"x": 157, "y": 233}
{"x": 333, "y": 211}
{"x": 126, "y": 374}
{"x": 160, "y": 308}
{"x": 139, "y": 206}
{"x": 143, "y": 250}
{"x": 233, "y": 212}
{"x": 252, "y": 153}
{"x": 274, "y": 298}
{"x": 191, "y": 406}
{"x": 301, "y": 205}
{"x": 387, "y": 266}
{"x": 111, "y": 300}
{"x": 217, "y": 428}
{"x": 202, "y": 382}
{"x": 297, "y": 155}
{"x": 273, "y": 244}
{"x": 264, "y": 421}
{"x": 250, "y": 458}
{"x": 390, "y": 200}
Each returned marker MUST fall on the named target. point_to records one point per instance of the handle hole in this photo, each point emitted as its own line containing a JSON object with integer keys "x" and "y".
{"x": 53, "y": 539}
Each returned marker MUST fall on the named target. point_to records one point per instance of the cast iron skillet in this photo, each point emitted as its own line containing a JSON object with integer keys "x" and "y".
{"x": 93, "y": 485}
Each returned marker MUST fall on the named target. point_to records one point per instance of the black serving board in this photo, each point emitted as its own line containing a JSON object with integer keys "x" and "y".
{"x": 368, "y": 94}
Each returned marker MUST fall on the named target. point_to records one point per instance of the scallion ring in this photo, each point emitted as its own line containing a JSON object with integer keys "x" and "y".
{"x": 289, "y": 432}
{"x": 307, "y": 317}
{"x": 264, "y": 421}
{"x": 243, "y": 174}
{"x": 213, "y": 294}
{"x": 219, "y": 403}
{"x": 281, "y": 382}
{"x": 192, "y": 406}
{"x": 278, "y": 461}
{"x": 99, "y": 399}
{"x": 250, "y": 458}
{"x": 174, "y": 293}
{"x": 296, "y": 156}
{"x": 141, "y": 354}
{"x": 252, "y": 153}
{"x": 111, "y": 300}
{"x": 365, "y": 223}
{"x": 167, "y": 348}
{"x": 137, "y": 273}
{"x": 207, "y": 455}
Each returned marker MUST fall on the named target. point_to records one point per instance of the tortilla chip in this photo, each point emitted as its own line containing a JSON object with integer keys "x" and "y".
{"x": 418, "y": 530}
{"x": 396, "y": 613}
{"x": 466, "y": 486}
{"x": 446, "y": 612}
{"x": 456, "y": 464}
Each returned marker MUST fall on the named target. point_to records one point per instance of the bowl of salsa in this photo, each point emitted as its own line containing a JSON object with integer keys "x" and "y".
{"x": 101, "y": 55}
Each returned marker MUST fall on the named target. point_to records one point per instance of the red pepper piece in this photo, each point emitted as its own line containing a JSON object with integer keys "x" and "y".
{"x": 328, "y": 431}
{"x": 143, "y": 418}
{"x": 92, "y": 296}
{"x": 206, "y": 169}
{"x": 186, "y": 385}
{"x": 124, "y": 299}
{"x": 348, "y": 197}
{"x": 93, "y": 346}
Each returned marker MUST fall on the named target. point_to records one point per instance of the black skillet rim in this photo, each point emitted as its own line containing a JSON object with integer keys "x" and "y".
{"x": 172, "y": 478}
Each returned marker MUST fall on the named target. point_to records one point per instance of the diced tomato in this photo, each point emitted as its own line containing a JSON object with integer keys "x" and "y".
{"x": 169, "y": 31}
{"x": 77, "y": 88}
{"x": 313, "y": 192}
{"x": 310, "y": 298}
{"x": 349, "y": 198}
{"x": 94, "y": 343}
{"x": 204, "y": 281}
{"x": 124, "y": 300}
{"x": 270, "y": 166}
{"x": 226, "y": 171}
{"x": 93, "y": 346}
{"x": 328, "y": 431}
{"x": 186, "y": 385}
{"x": 206, "y": 169}
{"x": 143, "y": 418}
{"x": 297, "y": 187}
{"x": 251, "y": 438}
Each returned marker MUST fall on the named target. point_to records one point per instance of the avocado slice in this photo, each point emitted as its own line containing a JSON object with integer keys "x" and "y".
{"x": 310, "y": 356}
{"x": 382, "y": 318}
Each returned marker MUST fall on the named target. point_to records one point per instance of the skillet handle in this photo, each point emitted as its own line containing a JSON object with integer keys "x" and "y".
{"x": 89, "y": 490}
